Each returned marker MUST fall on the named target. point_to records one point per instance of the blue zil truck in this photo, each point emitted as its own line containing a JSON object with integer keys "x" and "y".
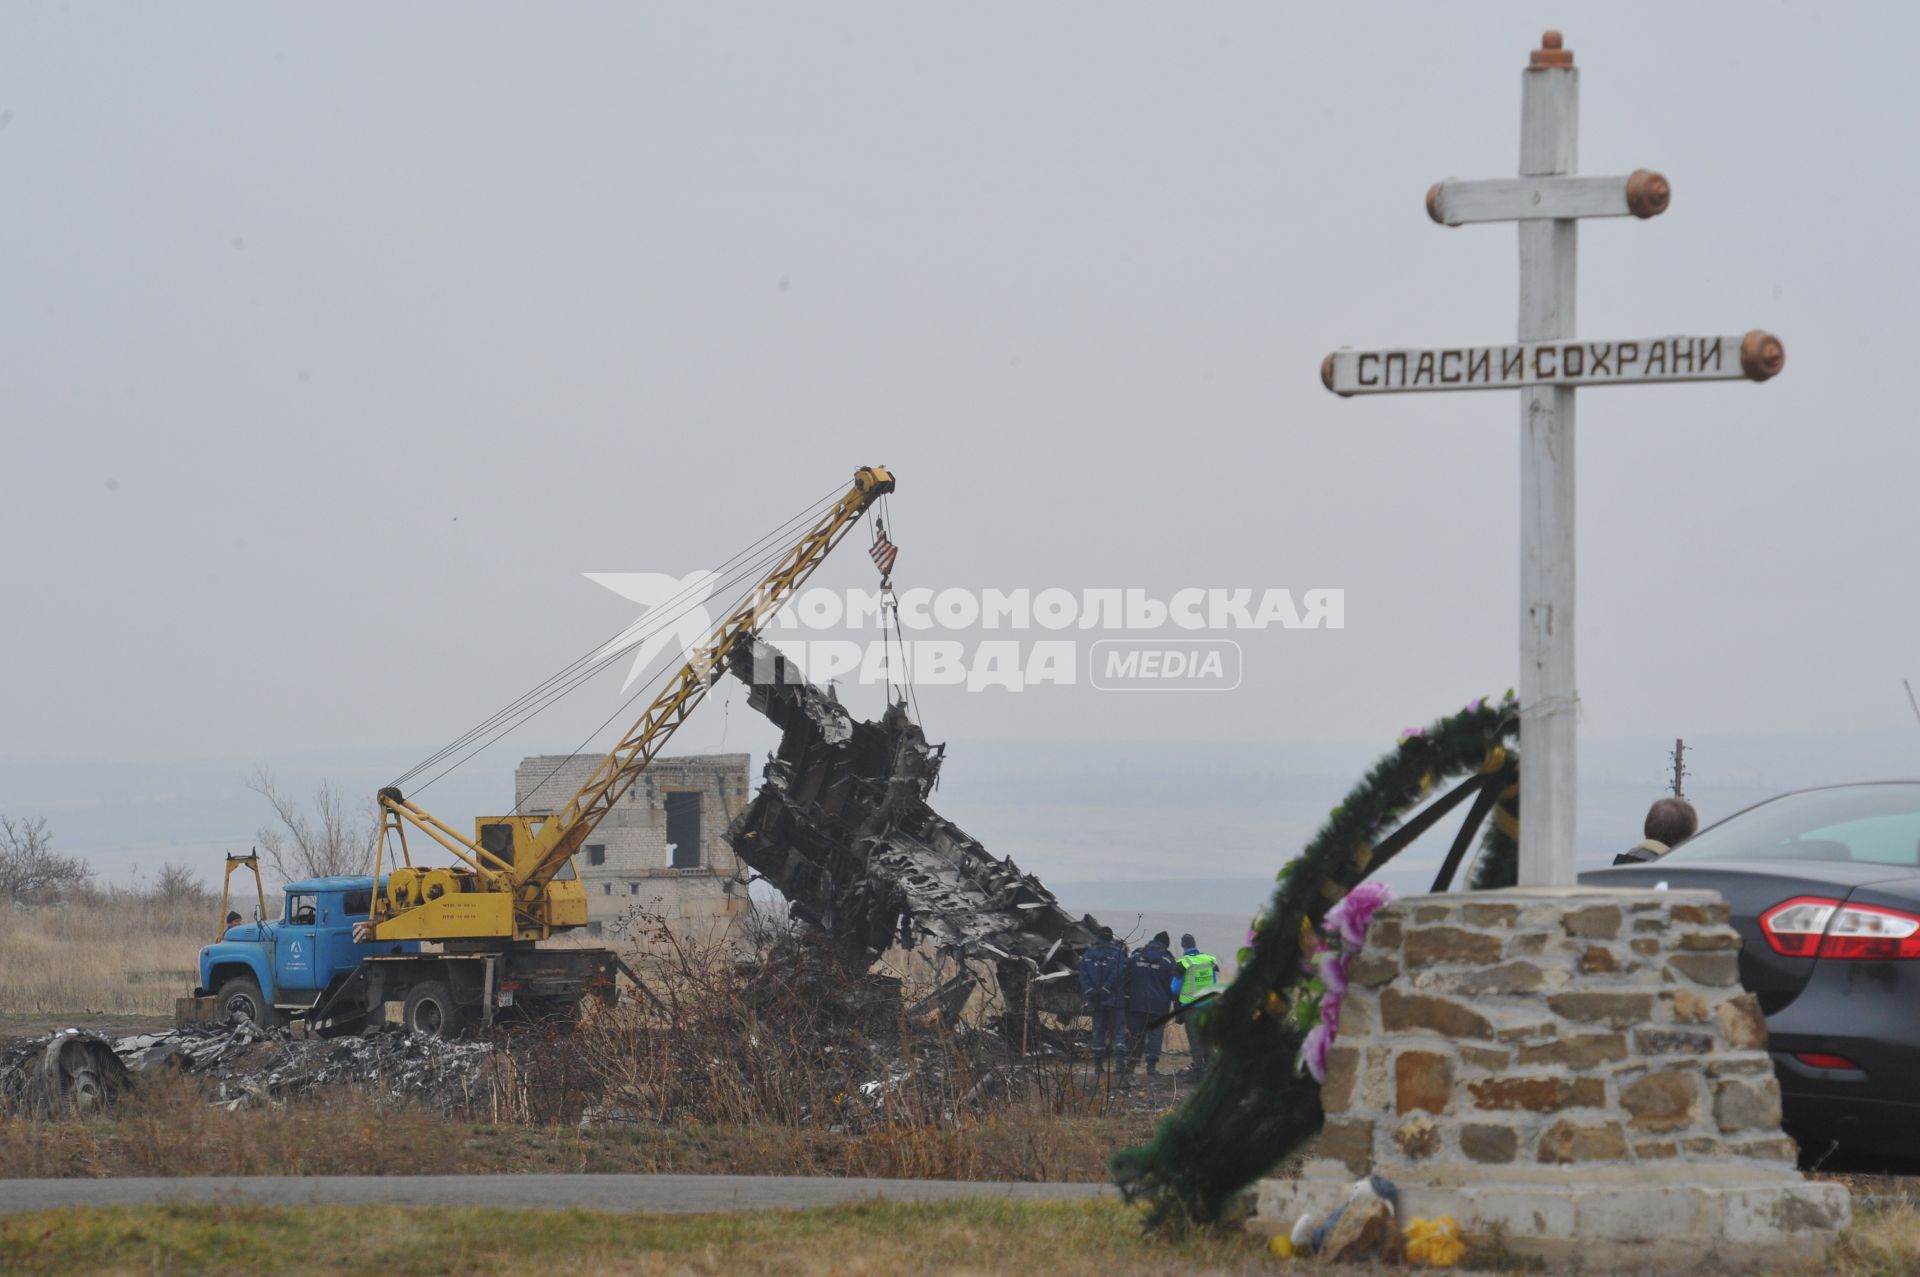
{"x": 317, "y": 963}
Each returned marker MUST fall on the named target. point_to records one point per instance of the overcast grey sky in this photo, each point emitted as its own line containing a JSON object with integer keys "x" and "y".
{"x": 339, "y": 342}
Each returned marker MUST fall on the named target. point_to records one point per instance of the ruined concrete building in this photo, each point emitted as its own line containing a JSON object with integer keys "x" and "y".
{"x": 664, "y": 846}
{"x": 842, "y": 827}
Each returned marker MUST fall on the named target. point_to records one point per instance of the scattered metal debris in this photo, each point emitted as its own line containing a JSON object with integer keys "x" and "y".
{"x": 842, "y": 828}
{"x": 245, "y": 1066}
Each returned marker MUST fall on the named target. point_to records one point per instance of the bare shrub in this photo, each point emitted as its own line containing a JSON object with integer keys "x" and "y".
{"x": 767, "y": 920}
{"x": 29, "y": 866}
{"x": 177, "y": 884}
{"x": 330, "y": 839}
{"x": 790, "y": 1034}
{"x": 713, "y": 1037}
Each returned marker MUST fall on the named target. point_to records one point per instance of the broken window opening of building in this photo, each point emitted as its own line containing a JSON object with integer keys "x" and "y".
{"x": 596, "y": 853}
{"x": 683, "y": 830}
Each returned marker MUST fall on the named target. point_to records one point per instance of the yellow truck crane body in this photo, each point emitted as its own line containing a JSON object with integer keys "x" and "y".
{"x": 514, "y": 879}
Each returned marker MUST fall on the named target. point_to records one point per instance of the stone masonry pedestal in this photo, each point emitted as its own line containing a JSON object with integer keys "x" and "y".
{"x": 1574, "y": 1075}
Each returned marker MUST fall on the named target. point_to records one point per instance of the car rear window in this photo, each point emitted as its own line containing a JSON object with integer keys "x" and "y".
{"x": 1867, "y": 824}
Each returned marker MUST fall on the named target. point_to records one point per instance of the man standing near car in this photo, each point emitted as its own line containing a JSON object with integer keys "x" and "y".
{"x": 1149, "y": 998}
{"x": 1670, "y": 822}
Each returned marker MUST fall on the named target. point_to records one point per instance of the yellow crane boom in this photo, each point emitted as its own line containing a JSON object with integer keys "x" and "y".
{"x": 511, "y": 883}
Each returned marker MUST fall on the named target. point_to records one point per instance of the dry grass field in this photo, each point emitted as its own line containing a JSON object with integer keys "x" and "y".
{"x": 168, "y": 1128}
{"x": 113, "y": 952}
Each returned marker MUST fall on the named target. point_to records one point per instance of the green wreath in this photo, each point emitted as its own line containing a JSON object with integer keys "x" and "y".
{"x": 1254, "y": 1108}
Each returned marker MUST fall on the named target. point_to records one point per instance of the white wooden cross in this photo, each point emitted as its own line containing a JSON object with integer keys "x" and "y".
{"x": 1545, "y": 365}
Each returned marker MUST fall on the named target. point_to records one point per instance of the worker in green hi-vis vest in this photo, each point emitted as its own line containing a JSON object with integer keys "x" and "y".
{"x": 1195, "y": 976}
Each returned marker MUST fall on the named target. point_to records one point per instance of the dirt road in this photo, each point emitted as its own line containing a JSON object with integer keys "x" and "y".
{"x": 648, "y": 1193}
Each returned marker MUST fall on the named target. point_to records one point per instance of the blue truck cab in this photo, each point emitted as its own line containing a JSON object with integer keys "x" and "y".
{"x": 266, "y": 971}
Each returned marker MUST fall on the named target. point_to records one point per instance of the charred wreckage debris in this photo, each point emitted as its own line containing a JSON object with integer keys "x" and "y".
{"x": 73, "y": 1069}
{"x": 842, "y": 828}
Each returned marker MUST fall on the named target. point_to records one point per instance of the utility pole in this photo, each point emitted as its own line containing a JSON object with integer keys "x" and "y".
{"x": 1679, "y": 760}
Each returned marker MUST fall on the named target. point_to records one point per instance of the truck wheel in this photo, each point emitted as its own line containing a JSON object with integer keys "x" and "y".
{"x": 240, "y": 999}
{"x": 431, "y": 1013}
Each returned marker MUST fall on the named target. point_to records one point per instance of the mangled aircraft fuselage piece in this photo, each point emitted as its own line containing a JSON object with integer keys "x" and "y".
{"x": 842, "y": 828}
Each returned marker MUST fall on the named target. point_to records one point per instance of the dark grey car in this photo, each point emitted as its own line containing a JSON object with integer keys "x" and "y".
{"x": 1824, "y": 888}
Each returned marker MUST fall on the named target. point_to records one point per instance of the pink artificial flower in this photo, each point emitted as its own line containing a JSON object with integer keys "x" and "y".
{"x": 1335, "y": 921}
{"x": 1473, "y": 706}
{"x": 1313, "y": 1052}
{"x": 1349, "y": 918}
{"x": 1411, "y": 733}
{"x": 1333, "y": 973}
{"x": 1330, "y": 1014}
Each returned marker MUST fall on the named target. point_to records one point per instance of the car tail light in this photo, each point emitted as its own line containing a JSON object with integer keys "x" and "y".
{"x": 1815, "y": 927}
{"x": 1821, "y": 1060}
{"x": 1794, "y": 928}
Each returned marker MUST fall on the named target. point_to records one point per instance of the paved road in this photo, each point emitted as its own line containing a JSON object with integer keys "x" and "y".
{"x": 651, "y": 1193}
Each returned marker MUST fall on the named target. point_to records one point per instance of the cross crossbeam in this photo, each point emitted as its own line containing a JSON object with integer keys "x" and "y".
{"x": 1642, "y": 194}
